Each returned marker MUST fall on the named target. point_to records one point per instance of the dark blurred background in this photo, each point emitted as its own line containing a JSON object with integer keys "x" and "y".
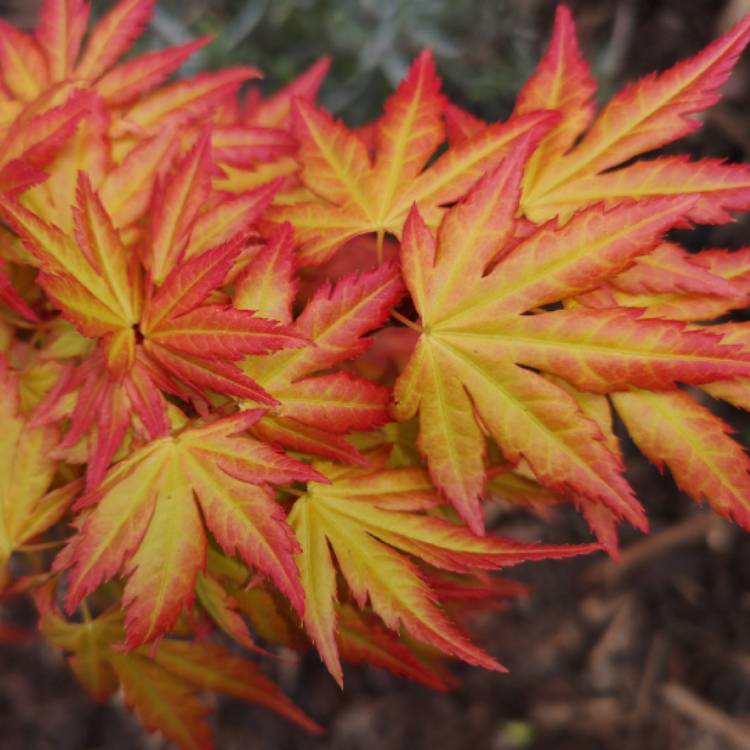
{"x": 651, "y": 655}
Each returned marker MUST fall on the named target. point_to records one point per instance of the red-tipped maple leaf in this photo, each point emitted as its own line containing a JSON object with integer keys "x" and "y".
{"x": 254, "y": 144}
{"x": 163, "y": 686}
{"x": 579, "y": 162}
{"x": 673, "y": 429}
{"x": 55, "y": 54}
{"x": 156, "y": 333}
{"x": 357, "y": 195}
{"x": 314, "y": 411}
{"x": 371, "y": 520}
{"x": 700, "y": 286}
{"x": 35, "y": 136}
{"x": 276, "y": 110}
{"x": 148, "y": 518}
{"x": 469, "y": 372}
{"x": 27, "y": 507}
{"x": 362, "y": 639}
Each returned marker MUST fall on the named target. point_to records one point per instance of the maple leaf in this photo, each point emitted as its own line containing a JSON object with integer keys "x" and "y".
{"x": 125, "y": 187}
{"x": 146, "y": 523}
{"x": 40, "y": 67}
{"x": 702, "y": 286}
{"x": 356, "y": 195}
{"x": 580, "y": 161}
{"x": 33, "y": 64}
{"x": 672, "y": 429}
{"x": 162, "y": 687}
{"x": 675, "y": 430}
{"x": 369, "y": 519}
{"x": 223, "y": 609}
{"x": 158, "y": 331}
{"x": 469, "y": 371}
{"x": 270, "y": 614}
{"x": 11, "y": 298}
{"x": 27, "y": 507}
{"x": 230, "y": 590}
{"x": 362, "y": 639}
{"x": 314, "y": 411}
{"x": 254, "y": 144}
{"x": 276, "y": 110}
{"x": 35, "y": 136}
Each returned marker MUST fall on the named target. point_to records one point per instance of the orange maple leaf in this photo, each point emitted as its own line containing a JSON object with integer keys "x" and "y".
{"x": 356, "y": 195}
{"x": 473, "y": 290}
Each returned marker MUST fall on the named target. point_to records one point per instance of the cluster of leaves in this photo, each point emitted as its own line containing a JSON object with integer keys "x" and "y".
{"x": 269, "y": 369}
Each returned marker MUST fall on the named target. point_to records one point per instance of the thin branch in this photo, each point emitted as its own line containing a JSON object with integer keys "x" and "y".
{"x": 686, "y": 703}
{"x": 690, "y": 531}
{"x": 410, "y": 323}
{"x": 41, "y": 546}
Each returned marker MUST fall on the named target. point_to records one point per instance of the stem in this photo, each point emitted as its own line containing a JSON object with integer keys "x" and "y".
{"x": 685, "y": 702}
{"x": 293, "y": 491}
{"x": 379, "y": 246}
{"x": 86, "y": 612}
{"x": 17, "y": 321}
{"x": 410, "y": 323}
{"x": 41, "y": 546}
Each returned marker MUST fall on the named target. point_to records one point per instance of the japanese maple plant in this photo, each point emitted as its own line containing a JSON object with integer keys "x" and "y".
{"x": 260, "y": 373}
